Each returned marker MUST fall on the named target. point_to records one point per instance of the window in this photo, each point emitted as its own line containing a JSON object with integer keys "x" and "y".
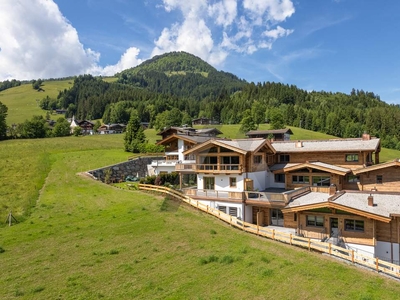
{"x": 232, "y": 181}
{"x": 233, "y": 211}
{"x": 351, "y": 157}
{"x": 284, "y": 158}
{"x": 280, "y": 178}
{"x": 300, "y": 179}
{"x": 321, "y": 181}
{"x": 257, "y": 159}
{"x": 354, "y": 225}
{"x": 222, "y": 208}
{"x": 317, "y": 221}
{"x": 379, "y": 179}
{"x": 209, "y": 183}
{"x": 353, "y": 179}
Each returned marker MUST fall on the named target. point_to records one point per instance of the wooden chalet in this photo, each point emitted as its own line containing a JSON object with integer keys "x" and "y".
{"x": 85, "y": 125}
{"x": 111, "y": 128}
{"x": 332, "y": 190}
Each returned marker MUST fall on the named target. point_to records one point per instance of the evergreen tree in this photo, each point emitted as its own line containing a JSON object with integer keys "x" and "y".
{"x": 3, "y": 123}
{"x": 134, "y": 135}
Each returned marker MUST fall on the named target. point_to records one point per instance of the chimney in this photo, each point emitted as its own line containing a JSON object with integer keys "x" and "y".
{"x": 366, "y": 136}
{"x": 299, "y": 144}
{"x": 370, "y": 200}
{"x": 332, "y": 189}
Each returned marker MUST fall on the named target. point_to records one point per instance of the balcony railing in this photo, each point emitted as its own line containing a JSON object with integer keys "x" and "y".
{"x": 211, "y": 168}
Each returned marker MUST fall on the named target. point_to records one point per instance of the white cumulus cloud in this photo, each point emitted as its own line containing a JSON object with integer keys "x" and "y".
{"x": 37, "y": 41}
{"x": 226, "y": 25}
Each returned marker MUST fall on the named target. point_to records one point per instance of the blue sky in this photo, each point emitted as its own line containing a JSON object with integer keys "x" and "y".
{"x": 330, "y": 45}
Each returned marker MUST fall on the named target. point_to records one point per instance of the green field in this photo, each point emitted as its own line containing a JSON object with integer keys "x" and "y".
{"x": 22, "y": 101}
{"x": 86, "y": 240}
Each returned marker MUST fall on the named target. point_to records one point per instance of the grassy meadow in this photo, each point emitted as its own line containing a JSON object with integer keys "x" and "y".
{"x": 81, "y": 239}
{"x": 22, "y": 101}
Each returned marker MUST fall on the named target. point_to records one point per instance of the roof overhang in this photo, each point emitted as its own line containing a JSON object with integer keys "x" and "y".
{"x": 332, "y": 204}
{"x": 213, "y": 142}
{"x": 395, "y": 163}
{"x": 325, "y": 167}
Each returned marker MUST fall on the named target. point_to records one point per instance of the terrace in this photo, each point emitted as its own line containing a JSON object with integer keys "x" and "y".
{"x": 269, "y": 197}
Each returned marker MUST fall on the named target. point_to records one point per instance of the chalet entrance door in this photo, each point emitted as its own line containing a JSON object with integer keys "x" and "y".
{"x": 209, "y": 183}
{"x": 276, "y": 217}
{"x": 334, "y": 227}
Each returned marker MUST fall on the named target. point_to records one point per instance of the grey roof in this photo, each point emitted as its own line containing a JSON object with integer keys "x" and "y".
{"x": 329, "y": 166}
{"x": 384, "y": 204}
{"x": 245, "y": 144}
{"x": 277, "y": 167}
{"x": 208, "y": 130}
{"x": 195, "y": 138}
{"x": 266, "y": 132}
{"x": 327, "y": 145}
{"x": 310, "y": 198}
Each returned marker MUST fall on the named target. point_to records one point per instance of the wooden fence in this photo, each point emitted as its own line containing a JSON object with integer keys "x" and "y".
{"x": 347, "y": 254}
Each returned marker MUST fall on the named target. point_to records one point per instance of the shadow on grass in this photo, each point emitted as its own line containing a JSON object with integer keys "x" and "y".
{"x": 170, "y": 205}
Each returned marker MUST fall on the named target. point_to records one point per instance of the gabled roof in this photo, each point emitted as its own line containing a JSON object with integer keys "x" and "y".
{"x": 208, "y": 131}
{"x": 242, "y": 146}
{"x": 334, "y": 145}
{"x": 394, "y": 163}
{"x": 175, "y": 129}
{"x": 318, "y": 166}
{"x": 385, "y": 205}
{"x": 189, "y": 138}
{"x": 267, "y": 132}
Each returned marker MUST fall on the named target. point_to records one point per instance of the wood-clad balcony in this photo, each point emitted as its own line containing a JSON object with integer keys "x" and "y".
{"x": 211, "y": 168}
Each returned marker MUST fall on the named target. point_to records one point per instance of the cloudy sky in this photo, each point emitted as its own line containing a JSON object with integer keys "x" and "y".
{"x": 330, "y": 45}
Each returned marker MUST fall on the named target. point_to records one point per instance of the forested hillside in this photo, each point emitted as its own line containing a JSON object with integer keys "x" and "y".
{"x": 173, "y": 88}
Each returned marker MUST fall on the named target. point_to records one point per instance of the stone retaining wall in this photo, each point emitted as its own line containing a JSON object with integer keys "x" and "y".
{"x": 120, "y": 171}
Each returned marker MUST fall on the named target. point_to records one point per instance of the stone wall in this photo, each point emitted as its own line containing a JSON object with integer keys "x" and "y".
{"x": 120, "y": 171}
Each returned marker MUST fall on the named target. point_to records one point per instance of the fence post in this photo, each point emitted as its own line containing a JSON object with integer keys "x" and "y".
{"x": 258, "y": 229}
{"x": 290, "y": 239}
{"x": 273, "y": 234}
{"x": 330, "y": 248}
{"x": 352, "y": 256}
{"x": 309, "y": 244}
{"x": 377, "y": 264}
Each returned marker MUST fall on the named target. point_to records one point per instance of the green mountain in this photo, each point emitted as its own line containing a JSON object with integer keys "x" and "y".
{"x": 181, "y": 74}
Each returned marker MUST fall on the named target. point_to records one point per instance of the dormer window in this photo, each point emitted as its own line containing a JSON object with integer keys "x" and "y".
{"x": 351, "y": 157}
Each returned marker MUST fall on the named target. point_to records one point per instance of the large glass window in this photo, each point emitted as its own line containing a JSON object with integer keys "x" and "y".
{"x": 353, "y": 179}
{"x": 321, "y": 180}
{"x": 354, "y": 225}
{"x": 317, "y": 221}
{"x": 280, "y": 178}
{"x": 300, "y": 179}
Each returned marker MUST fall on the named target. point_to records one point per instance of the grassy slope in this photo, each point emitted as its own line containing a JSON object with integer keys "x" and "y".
{"x": 87, "y": 240}
{"x": 21, "y": 100}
